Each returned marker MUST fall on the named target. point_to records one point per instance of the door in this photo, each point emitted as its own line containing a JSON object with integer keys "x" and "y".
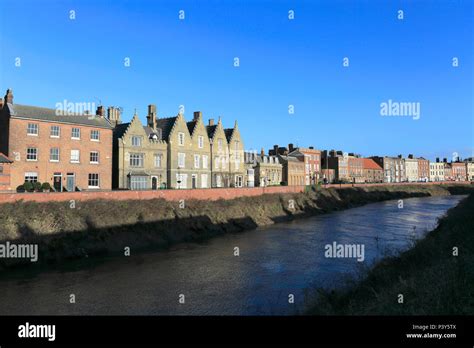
{"x": 57, "y": 182}
{"x": 154, "y": 183}
{"x": 194, "y": 181}
{"x": 70, "y": 182}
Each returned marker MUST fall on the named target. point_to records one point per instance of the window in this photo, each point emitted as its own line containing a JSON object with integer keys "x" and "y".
{"x": 158, "y": 159}
{"x": 32, "y": 154}
{"x": 138, "y": 183}
{"x": 31, "y": 177}
{"x": 94, "y": 157}
{"x": 236, "y": 149}
{"x": 181, "y": 160}
{"x": 55, "y": 132}
{"x": 136, "y": 160}
{"x": 54, "y": 154}
{"x": 204, "y": 161}
{"x": 219, "y": 144}
{"x": 94, "y": 181}
{"x": 196, "y": 161}
{"x": 181, "y": 139}
{"x": 95, "y": 135}
{"x": 200, "y": 141}
{"x": 217, "y": 163}
{"x": 238, "y": 181}
{"x": 136, "y": 141}
{"x": 32, "y": 129}
{"x": 75, "y": 156}
{"x": 76, "y": 133}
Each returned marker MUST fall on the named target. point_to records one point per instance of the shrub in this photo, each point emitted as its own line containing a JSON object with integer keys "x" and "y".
{"x": 20, "y": 188}
{"x": 283, "y": 183}
{"x": 28, "y": 186}
{"x": 46, "y": 186}
{"x": 37, "y": 186}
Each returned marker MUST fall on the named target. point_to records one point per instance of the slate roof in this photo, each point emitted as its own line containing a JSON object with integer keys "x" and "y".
{"x": 166, "y": 124}
{"x": 4, "y": 159}
{"x": 211, "y": 130}
{"x": 120, "y": 129}
{"x": 45, "y": 114}
{"x": 191, "y": 125}
{"x": 228, "y": 133}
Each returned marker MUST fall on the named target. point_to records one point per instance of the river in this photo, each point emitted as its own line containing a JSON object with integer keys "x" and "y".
{"x": 275, "y": 264}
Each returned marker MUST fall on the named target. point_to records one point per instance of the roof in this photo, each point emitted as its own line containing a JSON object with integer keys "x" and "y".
{"x": 45, "y": 114}
{"x": 191, "y": 125}
{"x": 228, "y": 133}
{"x": 371, "y": 164}
{"x": 120, "y": 129}
{"x": 166, "y": 124}
{"x": 211, "y": 130}
{"x": 4, "y": 159}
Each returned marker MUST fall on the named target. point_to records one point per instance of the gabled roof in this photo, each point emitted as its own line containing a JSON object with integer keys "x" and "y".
{"x": 50, "y": 115}
{"x": 211, "y": 130}
{"x": 4, "y": 159}
{"x": 191, "y": 125}
{"x": 371, "y": 164}
{"x": 166, "y": 125}
{"x": 228, "y": 133}
{"x": 120, "y": 129}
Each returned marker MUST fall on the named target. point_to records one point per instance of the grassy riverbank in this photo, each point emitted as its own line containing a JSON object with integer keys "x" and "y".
{"x": 103, "y": 227}
{"x": 431, "y": 279}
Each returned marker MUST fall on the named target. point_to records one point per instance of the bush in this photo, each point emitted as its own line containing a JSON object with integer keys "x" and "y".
{"x": 46, "y": 186}
{"x": 283, "y": 183}
{"x": 37, "y": 186}
{"x": 20, "y": 188}
{"x": 28, "y": 186}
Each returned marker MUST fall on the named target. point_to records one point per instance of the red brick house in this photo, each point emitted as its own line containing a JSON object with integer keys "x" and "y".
{"x": 69, "y": 151}
{"x": 372, "y": 171}
{"x": 312, "y": 162}
{"x": 423, "y": 169}
{"x": 459, "y": 171}
{"x": 5, "y": 168}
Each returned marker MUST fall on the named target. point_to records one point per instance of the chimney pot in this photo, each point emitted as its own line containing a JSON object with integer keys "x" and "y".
{"x": 196, "y": 115}
{"x": 100, "y": 111}
{"x": 290, "y": 147}
{"x": 9, "y": 96}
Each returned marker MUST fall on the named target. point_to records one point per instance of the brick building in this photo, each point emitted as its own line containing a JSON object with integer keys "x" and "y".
{"x": 312, "y": 161}
{"x": 69, "y": 151}
{"x": 423, "y": 169}
{"x": 339, "y": 162}
{"x": 355, "y": 166}
{"x": 5, "y": 168}
{"x": 373, "y": 173}
{"x": 393, "y": 168}
{"x": 459, "y": 171}
{"x": 294, "y": 172}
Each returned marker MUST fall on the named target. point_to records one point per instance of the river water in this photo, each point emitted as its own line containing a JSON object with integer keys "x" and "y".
{"x": 274, "y": 264}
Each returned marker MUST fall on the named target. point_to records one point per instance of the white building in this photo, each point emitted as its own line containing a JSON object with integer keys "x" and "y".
{"x": 411, "y": 167}
{"x": 436, "y": 171}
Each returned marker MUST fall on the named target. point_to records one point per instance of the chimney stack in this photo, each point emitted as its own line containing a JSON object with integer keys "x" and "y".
{"x": 262, "y": 152}
{"x": 437, "y": 159}
{"x": 9, "y": 96}
{"x": 100, "y": 111}
{"x": 113, "y": 114}
{"x": 211, "y": 122}
{"x": 275, "y": 149}
{"x": 410, "y": 156}
{"x": 445, "y": 160}
{"x": 311, "y": 147}
{"x": 1, "y": 103}
{"x": 290, "y": 148}
{"x": 196, "y": 115}
{"x": 151, "y": 117}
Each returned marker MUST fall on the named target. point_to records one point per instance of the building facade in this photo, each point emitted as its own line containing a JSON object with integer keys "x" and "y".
{"x": 373, "y": 173}
{"x": 437, "y": 171}
{"x": 69, "y": 151}
{"x": 339, "y": 162}
{"x": 393, "y": 167}
{"x": 5, "y": 169}
{"x": 470, "y": 170}
{"x": 237, "y": 168}
{"x": 459, "y": 171}
{"x": 423, "y": 169}
{"x": 356, "y": 168}
{"x": 140, "y": 154}
{"x": 312, "y": 161}
{"x": 267, "y": 169}
{"x": 411, "y": 165}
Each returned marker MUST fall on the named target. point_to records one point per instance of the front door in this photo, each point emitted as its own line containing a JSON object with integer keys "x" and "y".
{"x": 70, "y": 182}
{"x": 57, "y": 182}
{"x": 154, "y": 183}
{"x": 194, "y": 181}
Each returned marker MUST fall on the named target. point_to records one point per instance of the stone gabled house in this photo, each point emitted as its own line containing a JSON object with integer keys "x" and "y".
{"x": 219, "y": 154}
{"x": 201, "y": 166}
{"x": 140, "y": 153}
{"x": 237, "y": 169}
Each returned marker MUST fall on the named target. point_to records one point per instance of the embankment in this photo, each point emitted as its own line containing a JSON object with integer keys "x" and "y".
{"x": 433, "y": 277}
{"x": 64, "y": 230}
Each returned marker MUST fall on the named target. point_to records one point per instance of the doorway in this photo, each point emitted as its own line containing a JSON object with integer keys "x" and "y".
{"x": 194, "y": 181}
{"x": 70, "y": 182}
{"x": 154, "y": 183}
{"x": 58, "y": 182}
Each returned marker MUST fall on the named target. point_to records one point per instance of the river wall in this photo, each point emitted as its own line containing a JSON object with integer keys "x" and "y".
{"x": 76, "y": 229}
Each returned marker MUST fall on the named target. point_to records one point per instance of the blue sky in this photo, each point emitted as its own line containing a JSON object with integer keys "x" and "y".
{"x": 299, "y": 62}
